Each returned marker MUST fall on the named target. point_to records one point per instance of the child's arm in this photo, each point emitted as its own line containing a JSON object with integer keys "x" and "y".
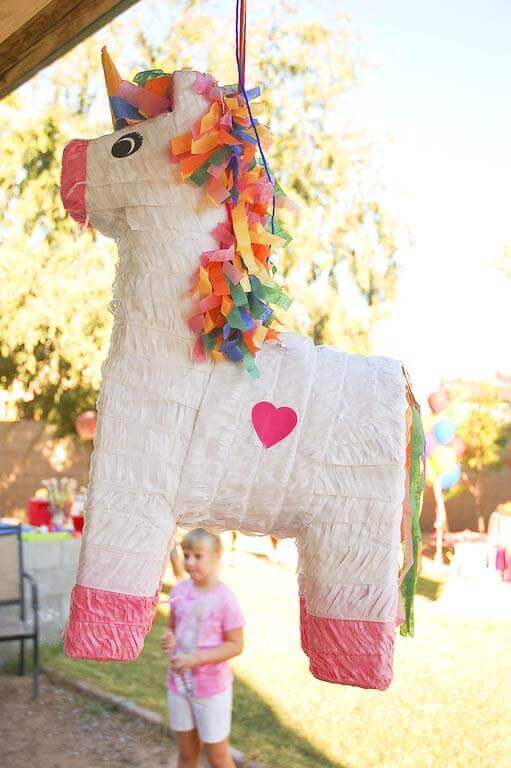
{"x": 231, "y": 646}
{"x": 168, "y": 640}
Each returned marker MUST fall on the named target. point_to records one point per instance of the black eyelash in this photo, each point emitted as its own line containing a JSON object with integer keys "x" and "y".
{"x": 127, "y": 145}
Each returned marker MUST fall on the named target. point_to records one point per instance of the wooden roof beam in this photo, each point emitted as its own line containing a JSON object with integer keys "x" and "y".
{"x": 34, "y": 33}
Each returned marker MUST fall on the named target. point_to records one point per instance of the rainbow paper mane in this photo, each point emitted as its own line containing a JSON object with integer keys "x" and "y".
{"x": 234, "y": 285}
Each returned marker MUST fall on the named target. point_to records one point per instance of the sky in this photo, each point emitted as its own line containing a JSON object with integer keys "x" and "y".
{"x": 437, "y": 93}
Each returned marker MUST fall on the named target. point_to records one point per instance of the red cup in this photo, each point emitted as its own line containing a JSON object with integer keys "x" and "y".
{"x": 39, "y": 512}
{"x": 78, "y": 523}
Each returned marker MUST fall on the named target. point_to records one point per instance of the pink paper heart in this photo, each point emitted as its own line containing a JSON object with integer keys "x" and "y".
{"x": 272, "y": 424}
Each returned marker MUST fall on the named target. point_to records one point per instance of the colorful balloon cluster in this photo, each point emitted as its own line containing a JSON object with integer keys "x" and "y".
{"x": 443, "y": 447}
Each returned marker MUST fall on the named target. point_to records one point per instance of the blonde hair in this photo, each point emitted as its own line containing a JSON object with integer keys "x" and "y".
{"x": 199, "y": 537}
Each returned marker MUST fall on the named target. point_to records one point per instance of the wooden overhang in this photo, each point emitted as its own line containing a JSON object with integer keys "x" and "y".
{"x": 33, "y": 33}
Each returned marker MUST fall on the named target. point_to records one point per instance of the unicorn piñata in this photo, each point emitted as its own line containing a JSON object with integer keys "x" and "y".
{"x": 207, "y": 416}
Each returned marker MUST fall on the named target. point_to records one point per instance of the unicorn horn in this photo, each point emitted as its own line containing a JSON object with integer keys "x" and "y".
{"x": 112, "y": 80}
{"x": 122, "y": 108}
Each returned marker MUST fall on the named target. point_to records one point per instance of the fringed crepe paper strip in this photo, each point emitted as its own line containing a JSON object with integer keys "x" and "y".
{"x": 200, "y": 420}
{"x": 415, "y": 490}
{"x": 234, "y": 284}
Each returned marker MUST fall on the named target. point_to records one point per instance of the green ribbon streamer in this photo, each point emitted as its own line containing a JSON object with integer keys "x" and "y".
{"x": 409, "y": 584}
{"x": 209, "y": 339}
{"x": 279, "y": 192}
{"x": 249, "y": 361}
{"x": 235, "y": 320}
{"x": 201, "y": 175}
{"x": 141, "y": 78}
{"x": 272, "y": 294}
{"x": 281, "y": 232}
{"x": 238, "y": 295}
{"x": 257, "y": 308}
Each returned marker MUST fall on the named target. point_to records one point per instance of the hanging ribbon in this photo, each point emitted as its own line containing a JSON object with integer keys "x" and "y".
{"x": 241, "y": 35}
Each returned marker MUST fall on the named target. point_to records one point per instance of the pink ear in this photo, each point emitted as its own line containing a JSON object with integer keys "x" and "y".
{"x": 73, "y": 179}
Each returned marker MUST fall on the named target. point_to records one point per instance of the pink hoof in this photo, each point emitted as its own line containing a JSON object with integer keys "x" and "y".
{"x": 107, "y": 626}
{"x": 348, "y": 651}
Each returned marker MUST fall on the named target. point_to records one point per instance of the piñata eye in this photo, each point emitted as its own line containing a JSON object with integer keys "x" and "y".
{"x": 127, "y": 145}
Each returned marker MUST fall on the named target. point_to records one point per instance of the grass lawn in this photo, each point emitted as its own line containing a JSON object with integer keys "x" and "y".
{"x": 449, "y": 705}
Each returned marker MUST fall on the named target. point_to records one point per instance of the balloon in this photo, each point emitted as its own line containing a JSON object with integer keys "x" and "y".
{"x": 451, "y": 478}
{"x": 443, "y": 459}
{"x": 438, "y": 400}
{"x": 445, "y": 430}
{"x": 458, "y": 445}
{"x": 431, "y": 476}
{"x": 431, "y": 443}
{"x": 85, "y": 425}
{"x": 428, "y": 421}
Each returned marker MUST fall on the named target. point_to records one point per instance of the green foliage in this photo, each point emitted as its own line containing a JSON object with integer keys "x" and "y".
{"x": 485, "y": 431}
{"x": 55, "y": 280}
{"x": 485, "y": 428}
{"x": 340, "y": 268}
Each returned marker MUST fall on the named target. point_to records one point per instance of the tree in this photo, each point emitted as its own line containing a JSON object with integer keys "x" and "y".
{"x": 486, "y": 431}
{"x": 341, "y": 266}
{"x": 55, "y": 285}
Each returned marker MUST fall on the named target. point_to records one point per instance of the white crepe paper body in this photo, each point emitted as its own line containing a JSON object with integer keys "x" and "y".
{"x": 176, "y": 444}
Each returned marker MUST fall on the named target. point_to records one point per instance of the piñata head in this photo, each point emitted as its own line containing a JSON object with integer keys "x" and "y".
{"x": 211, "y": 134}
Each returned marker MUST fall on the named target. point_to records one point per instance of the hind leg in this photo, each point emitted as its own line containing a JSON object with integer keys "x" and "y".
{"x": 349, "y": 597}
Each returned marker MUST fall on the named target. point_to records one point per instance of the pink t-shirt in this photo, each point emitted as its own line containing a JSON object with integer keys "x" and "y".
{"x": 201, "y": 618}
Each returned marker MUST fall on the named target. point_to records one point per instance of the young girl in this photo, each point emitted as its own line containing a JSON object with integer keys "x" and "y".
{"x": 205, "y": 630}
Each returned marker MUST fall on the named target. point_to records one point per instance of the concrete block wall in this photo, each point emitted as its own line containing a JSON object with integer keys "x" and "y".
{"x": 53, "y": 565}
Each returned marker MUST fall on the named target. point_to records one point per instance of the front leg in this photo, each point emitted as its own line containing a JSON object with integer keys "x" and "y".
{"x": 124, "y": 553}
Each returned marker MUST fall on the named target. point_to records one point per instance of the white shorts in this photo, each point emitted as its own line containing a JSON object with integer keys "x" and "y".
{"x": 209, "y": 715}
